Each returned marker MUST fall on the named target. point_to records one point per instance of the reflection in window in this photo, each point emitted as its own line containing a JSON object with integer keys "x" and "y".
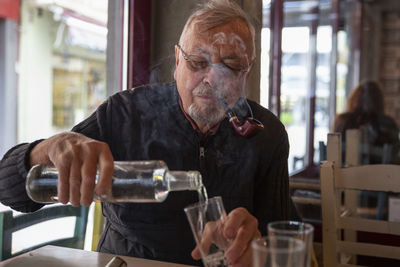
{"x": 342, "y": 71}
{"x": 76, "y": 92}
{"x": 265, "y": 52}
{"x": 62, "y": 64}
{"x": 294, "y": 88}
{"x": 264, "y": 72}
{"x": 321, "y": 116}
{"x": 61, "y": 79}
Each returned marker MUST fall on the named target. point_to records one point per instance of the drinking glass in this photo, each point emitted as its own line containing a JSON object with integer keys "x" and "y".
{"x": 298, "y": 230}
{"x": 278, "y": 251}
{"x": 207, "y": 220}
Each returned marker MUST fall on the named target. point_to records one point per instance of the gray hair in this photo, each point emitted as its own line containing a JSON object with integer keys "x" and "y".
{"x": 214, "y": 13}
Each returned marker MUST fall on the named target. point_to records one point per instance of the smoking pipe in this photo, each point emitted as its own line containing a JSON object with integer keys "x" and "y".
{"x": 248, "y": 128}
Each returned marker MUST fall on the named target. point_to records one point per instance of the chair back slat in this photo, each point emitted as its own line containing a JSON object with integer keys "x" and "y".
{"x": 369, "y": 225}
{"x": 334, "y": 180}
{"x": 10, "y": 224}
{"x": 351, "y": 159}
{"x": 352, "y": 147}
{"x": 328, "y": 199}
{"x": 377, "y": 177}
{"x": 5, "y": 244}
{"x": 334, "y": 147}
{"x": 368, "y": 249}
{"x": 24, "y": 220}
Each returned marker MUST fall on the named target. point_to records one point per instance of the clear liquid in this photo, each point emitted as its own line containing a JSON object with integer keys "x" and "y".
{"x": 202, "y": 193}
{"x": 145, "y": 189}
{"x": 215, "y": 260}
{"x": 203, "y": 197}
{"x": 132, "y": 182}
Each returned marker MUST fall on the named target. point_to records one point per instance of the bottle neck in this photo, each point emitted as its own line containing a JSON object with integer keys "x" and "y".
{"x": 183, "y": 180}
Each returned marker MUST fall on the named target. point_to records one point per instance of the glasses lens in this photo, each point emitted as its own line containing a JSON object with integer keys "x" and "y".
{"x": 200, "y": 63}
{"x": 197, "y": 63}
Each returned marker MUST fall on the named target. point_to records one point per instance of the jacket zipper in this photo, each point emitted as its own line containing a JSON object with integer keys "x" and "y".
{"x": 202, "y": 157}
{"x": 201, "y": 152}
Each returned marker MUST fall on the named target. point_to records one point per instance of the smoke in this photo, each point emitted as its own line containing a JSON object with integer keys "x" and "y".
{"x": 231, "y": 83}
{"x": 223, "y": 81}
{"x": 234, "y": 41}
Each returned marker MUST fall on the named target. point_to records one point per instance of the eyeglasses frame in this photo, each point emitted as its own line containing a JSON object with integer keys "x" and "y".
{"x": 186, "y": 57}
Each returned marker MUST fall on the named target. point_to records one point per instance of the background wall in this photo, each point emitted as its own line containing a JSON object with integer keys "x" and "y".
{"x": 380, "y": 58}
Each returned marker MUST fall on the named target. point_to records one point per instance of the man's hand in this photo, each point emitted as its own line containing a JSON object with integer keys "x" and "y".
{"x": 240, "y": 227}
{"x": 76, "y": 158}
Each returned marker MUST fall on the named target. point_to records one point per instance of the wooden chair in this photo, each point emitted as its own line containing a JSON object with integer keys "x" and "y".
{"x": 360, "y": 152}
{"x": 369, "y": 153}
{"x": 339, "y": 221}
{"x": 356, "y": 152}
{"x": 10, "y": 224}
{"x": 322, "y": 151}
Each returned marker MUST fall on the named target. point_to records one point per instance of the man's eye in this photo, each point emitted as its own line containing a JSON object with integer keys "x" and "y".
{"x": 199, "y": 64}
{"x": 233, "y": 65}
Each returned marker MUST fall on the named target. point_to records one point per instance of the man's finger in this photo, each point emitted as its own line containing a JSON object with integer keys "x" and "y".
{"x": 242, "y": 227}
{"x": 245, "y": 259}
{"x": 241, "y": 242}
{"x": 234, "y": 220}
{"x": 75, "y": 182}
{"x": 106, "y": 169}
{"x": 89, "y": 169}
{"x": 196, "y": 253}
{"x": 63, "y": 181}
{"x": 207, "y": 237}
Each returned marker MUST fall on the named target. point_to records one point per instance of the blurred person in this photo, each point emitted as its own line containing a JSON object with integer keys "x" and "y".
{"x": 365, "y": 110}
{"x": 185, "y": 124}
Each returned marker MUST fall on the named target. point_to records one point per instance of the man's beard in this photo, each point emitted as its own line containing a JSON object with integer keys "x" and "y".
{"x": 210, "y": 114}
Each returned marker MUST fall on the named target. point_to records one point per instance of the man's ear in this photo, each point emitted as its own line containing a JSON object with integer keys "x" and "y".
{"x": 247, "y": 74}
{"x": 176, "y": 60}
{"x": 253, "y": 62}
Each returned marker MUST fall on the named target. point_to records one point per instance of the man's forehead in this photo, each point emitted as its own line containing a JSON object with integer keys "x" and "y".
{"x": 221, "y": 37}
{"x": 233, "y": 35}
{"x": 237, "y": 27}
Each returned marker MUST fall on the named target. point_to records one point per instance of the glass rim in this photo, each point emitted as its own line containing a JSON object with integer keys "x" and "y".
{"x": 299, "y": 245}
{"x": 202, "y": 204}
{"x": 308, "y": 228}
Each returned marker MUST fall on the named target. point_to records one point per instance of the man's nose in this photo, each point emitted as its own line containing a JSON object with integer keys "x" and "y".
{"x": 214, "y": 73}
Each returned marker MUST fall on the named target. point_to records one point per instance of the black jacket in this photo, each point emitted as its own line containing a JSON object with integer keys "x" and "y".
{"x": 148, "y": 123}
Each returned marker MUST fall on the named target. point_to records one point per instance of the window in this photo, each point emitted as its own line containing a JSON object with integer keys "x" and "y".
{"x": 61, "y": 75}
{"x": 308, "y": 79}
{"x": 62, "y": 65}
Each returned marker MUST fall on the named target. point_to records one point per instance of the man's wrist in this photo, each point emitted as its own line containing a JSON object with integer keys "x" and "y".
{"x": 36, "y": 154}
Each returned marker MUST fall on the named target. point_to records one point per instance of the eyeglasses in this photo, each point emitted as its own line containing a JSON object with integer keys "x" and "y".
{"x": 198, "y": 62}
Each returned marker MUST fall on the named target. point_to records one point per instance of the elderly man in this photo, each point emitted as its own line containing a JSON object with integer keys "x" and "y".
{"x": 184, "y": 124}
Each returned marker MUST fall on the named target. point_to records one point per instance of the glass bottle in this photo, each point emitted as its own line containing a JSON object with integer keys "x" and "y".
{"x": 133, "y": 181}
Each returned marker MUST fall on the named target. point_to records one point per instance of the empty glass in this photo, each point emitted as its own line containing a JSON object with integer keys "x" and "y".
{"x": 278, "y": 251}
{"x": 298, "y": 230}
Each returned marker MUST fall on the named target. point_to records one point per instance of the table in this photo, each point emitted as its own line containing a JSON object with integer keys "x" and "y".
{"x": 68, "y": 257}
